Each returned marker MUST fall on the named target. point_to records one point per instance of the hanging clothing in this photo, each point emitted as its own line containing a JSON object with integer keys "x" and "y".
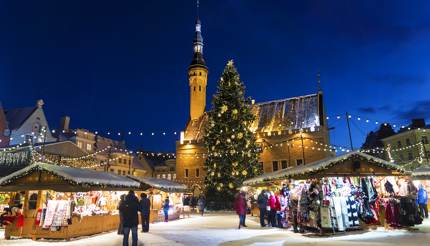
{"x": 338, "y": 214}
{"x": 352, "y": 208}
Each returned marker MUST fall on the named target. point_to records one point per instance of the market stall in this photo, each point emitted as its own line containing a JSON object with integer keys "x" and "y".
{"x": 159, "y": 190}
{"x": 62, "y": 202}
{"x": 350, "y": 191}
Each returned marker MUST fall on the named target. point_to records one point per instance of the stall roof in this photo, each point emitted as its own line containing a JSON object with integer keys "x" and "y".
{"x": 421, "y": 173}
{"x": 76, "y": 179}
{"x": 335, "y": 166}
{"x": 160, "y": 184}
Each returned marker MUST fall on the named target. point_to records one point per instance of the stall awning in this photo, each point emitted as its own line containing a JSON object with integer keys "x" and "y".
{"x": 41, "y": 176}
{"x": 421, "y": 173}
{"x": 350, "y": 164}
{"x": 160, "y": 184}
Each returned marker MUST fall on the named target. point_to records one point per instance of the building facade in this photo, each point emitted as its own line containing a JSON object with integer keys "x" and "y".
{"x": 110, "y": 154}
{"x": 290, "y": 131}
{"x": 27, "y": 124}
{"x": 410, "y": 146}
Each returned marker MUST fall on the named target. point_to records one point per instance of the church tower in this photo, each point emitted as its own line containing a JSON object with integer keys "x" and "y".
{"x": 197, "y": 75}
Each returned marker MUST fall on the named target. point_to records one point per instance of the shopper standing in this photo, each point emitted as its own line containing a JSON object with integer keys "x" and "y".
{"x": 422, "y": 200}
{"x": 121, "y": 219}
{"x": 272, "y": 204}
{"x": 262, "y": 205}
{"x": 129, "y": 208}
{"x": 145, "y": 211}
{"x": 240, "y": 207}
{"x": 166, "y": 206}
{"x": 201, "y": 203}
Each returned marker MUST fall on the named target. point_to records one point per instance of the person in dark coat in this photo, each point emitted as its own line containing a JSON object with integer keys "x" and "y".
{"x": 166, "y": 206}
{"x": 121, "y": 219}
{"x": 262, "y": 205}
{"x": 201, "y": 203}
{"x": 145, "y": 209}
{"x": 240, "y": 207}
{"x": 129, "y": 208}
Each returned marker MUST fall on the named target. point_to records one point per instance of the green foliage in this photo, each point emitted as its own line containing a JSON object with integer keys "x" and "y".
{"x": 232, "y": 151}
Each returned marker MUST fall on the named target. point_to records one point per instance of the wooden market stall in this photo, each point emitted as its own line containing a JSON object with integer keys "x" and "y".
{"x": 62, "y": 202}
{"x": 349, "y": 170}
{"x": 159, "y": 190}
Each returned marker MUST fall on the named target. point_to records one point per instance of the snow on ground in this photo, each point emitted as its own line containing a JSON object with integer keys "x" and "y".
{"x": 221, "y": 229}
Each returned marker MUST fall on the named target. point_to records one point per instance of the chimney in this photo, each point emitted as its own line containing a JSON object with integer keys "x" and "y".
{"x": 40, "y": 103}
{"x": 65, "y": 123}
{"x": 418, "y": 123}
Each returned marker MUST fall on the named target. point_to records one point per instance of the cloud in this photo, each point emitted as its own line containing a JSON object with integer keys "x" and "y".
{"x": 367, "y": 110}
{"x": 399, "y": 79}
{"x": 420, "y": 109}
{"x": 372, "y": 110}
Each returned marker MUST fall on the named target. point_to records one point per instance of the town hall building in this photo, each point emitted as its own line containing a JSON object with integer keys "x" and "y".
{"x": 290, "y": 132}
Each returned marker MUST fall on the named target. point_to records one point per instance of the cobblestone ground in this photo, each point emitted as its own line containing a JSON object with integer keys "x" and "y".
{"x": 221, "y": 229}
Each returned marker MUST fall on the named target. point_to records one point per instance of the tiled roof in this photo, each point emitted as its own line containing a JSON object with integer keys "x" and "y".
{"x": 278, "y": 115}
{"x": 17, "y": 116}
{"x": 287, "y": 114}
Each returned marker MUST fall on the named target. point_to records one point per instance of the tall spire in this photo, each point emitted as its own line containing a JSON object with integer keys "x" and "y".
{"x": 198, "y": 59}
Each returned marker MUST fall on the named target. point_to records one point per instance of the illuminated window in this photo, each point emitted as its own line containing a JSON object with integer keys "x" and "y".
{"x": 284, "y": 164}
{"x": 79, "y": 144}
{"x": 169, "y": 176}
{"x": 174, "y": 176}
{"x": 186, "y": 173}
{"x": 275, "y": 166}
{"x": 89, "y": 147}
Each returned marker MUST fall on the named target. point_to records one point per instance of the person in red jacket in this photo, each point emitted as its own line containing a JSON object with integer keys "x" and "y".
{"x": 271, "y": 203}
{"x": 240, "y": 207}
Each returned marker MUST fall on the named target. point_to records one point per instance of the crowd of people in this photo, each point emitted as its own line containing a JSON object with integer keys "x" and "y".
{"x": 129, "y": 207}
{"x": 339, "y": 204}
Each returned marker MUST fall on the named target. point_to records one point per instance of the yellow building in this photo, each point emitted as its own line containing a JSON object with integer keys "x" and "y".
{"x": 291, "y": 131}
{"x": 410, "y": 146}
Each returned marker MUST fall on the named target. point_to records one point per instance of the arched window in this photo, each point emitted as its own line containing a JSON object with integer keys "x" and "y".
{"x": 200, "y": 88}
{"x": 194, "y": 88}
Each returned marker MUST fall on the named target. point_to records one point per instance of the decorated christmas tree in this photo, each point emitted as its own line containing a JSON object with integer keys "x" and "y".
{"x": 232, "y": 151}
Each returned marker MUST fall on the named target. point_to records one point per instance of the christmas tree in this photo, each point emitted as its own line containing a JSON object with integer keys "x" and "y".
{"x": 232, "y": 151}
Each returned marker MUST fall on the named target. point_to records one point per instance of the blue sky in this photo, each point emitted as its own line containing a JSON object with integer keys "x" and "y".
{"x": 121, "y": 66}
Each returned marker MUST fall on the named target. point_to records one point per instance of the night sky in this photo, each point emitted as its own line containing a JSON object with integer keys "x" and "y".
{"x": 122, "y": 65}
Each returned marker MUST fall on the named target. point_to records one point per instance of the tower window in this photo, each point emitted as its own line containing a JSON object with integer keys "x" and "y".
{"x": 194, "y": 88}
{"x": 200, "y": 88}
{"x": 186, "y": 173}
{"x": 197, "y": 172}
{"x": 200, "y": 73}
{"x": 275, "y": 166}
